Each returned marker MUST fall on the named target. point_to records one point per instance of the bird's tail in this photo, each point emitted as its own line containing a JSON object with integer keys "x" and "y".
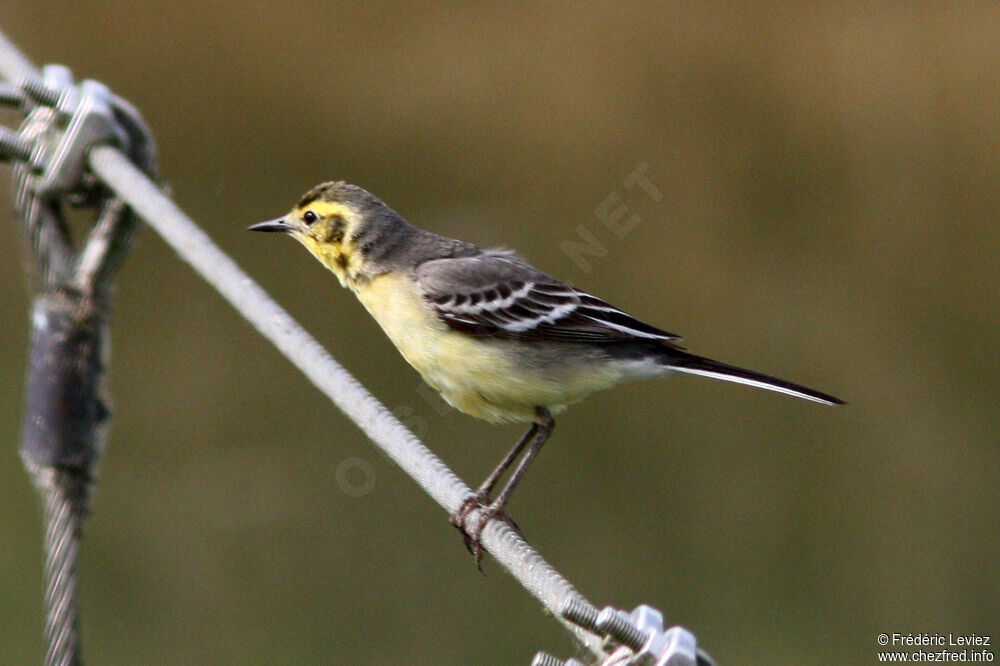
{"x": 705, "y": 367}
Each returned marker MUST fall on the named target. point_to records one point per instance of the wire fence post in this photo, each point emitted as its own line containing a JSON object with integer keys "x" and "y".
{"x": 66, "y": 413}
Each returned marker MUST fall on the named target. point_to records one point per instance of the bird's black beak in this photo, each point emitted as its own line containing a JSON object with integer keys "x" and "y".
{"x": 272, "y": 225}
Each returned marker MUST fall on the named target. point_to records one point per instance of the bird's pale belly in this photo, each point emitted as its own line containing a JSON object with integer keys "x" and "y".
{"x": 496, "y": 380}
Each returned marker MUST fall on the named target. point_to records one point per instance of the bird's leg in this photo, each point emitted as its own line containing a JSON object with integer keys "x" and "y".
{"x": 481, "y": 498}
{"x": 545, "y": 425}
{"x": 483, "y": 493}
{"x": 534, "y": 438}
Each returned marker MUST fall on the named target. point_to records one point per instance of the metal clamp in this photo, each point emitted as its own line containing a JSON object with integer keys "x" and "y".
{"x": 91, "y": 121}
{"x": 632, "y": 639}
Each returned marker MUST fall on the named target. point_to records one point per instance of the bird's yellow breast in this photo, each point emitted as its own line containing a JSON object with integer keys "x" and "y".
{"x": 496, "y": 380}
{"x": 410, "y": 323}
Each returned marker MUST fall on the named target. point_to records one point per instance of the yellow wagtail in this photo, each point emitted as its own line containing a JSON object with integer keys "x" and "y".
{"x": 498, "y": 338}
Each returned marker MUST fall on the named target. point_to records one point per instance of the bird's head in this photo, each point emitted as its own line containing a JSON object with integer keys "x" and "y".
{"x": 335, "y": 222}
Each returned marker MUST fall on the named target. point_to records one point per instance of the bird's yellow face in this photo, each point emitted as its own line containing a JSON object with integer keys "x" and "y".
{"x": 326, "y": 229}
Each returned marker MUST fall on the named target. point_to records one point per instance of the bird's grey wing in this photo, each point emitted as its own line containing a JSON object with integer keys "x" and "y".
{"x": 499, "y": 295}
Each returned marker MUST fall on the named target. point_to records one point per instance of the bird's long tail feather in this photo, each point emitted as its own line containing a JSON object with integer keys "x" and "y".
{"x": 705, "y": 367}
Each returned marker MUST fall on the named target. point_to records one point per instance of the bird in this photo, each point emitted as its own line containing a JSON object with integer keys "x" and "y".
{"x": 498, "y": 338}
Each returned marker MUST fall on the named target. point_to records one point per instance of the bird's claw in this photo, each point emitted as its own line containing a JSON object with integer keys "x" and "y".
{"x": 472, "y": 517}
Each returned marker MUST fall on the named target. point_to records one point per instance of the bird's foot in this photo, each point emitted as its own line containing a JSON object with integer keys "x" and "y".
{"x": 472, "y": 517}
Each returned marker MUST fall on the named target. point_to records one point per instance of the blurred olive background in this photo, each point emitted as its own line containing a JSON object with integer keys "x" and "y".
{"x": 827, "y": 185}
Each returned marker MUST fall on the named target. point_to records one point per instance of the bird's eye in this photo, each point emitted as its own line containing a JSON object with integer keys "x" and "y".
{"x": 310, "y": 217}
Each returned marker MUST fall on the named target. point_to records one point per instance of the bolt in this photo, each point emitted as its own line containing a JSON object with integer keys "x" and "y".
{"x": 13, "y": 146}
{"x": 544, "y": 659}
{"x": 11, "y": 96}
{"x": 39, "y": 91}
{"x": 612, "y": 623}
{"x": 578, "y": 611}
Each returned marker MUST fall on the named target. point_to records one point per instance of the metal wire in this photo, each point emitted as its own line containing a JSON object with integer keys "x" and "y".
{"x": 43, "y": 219}
{"x": 64, "y": 494}
{"x": 14, "y": 65}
